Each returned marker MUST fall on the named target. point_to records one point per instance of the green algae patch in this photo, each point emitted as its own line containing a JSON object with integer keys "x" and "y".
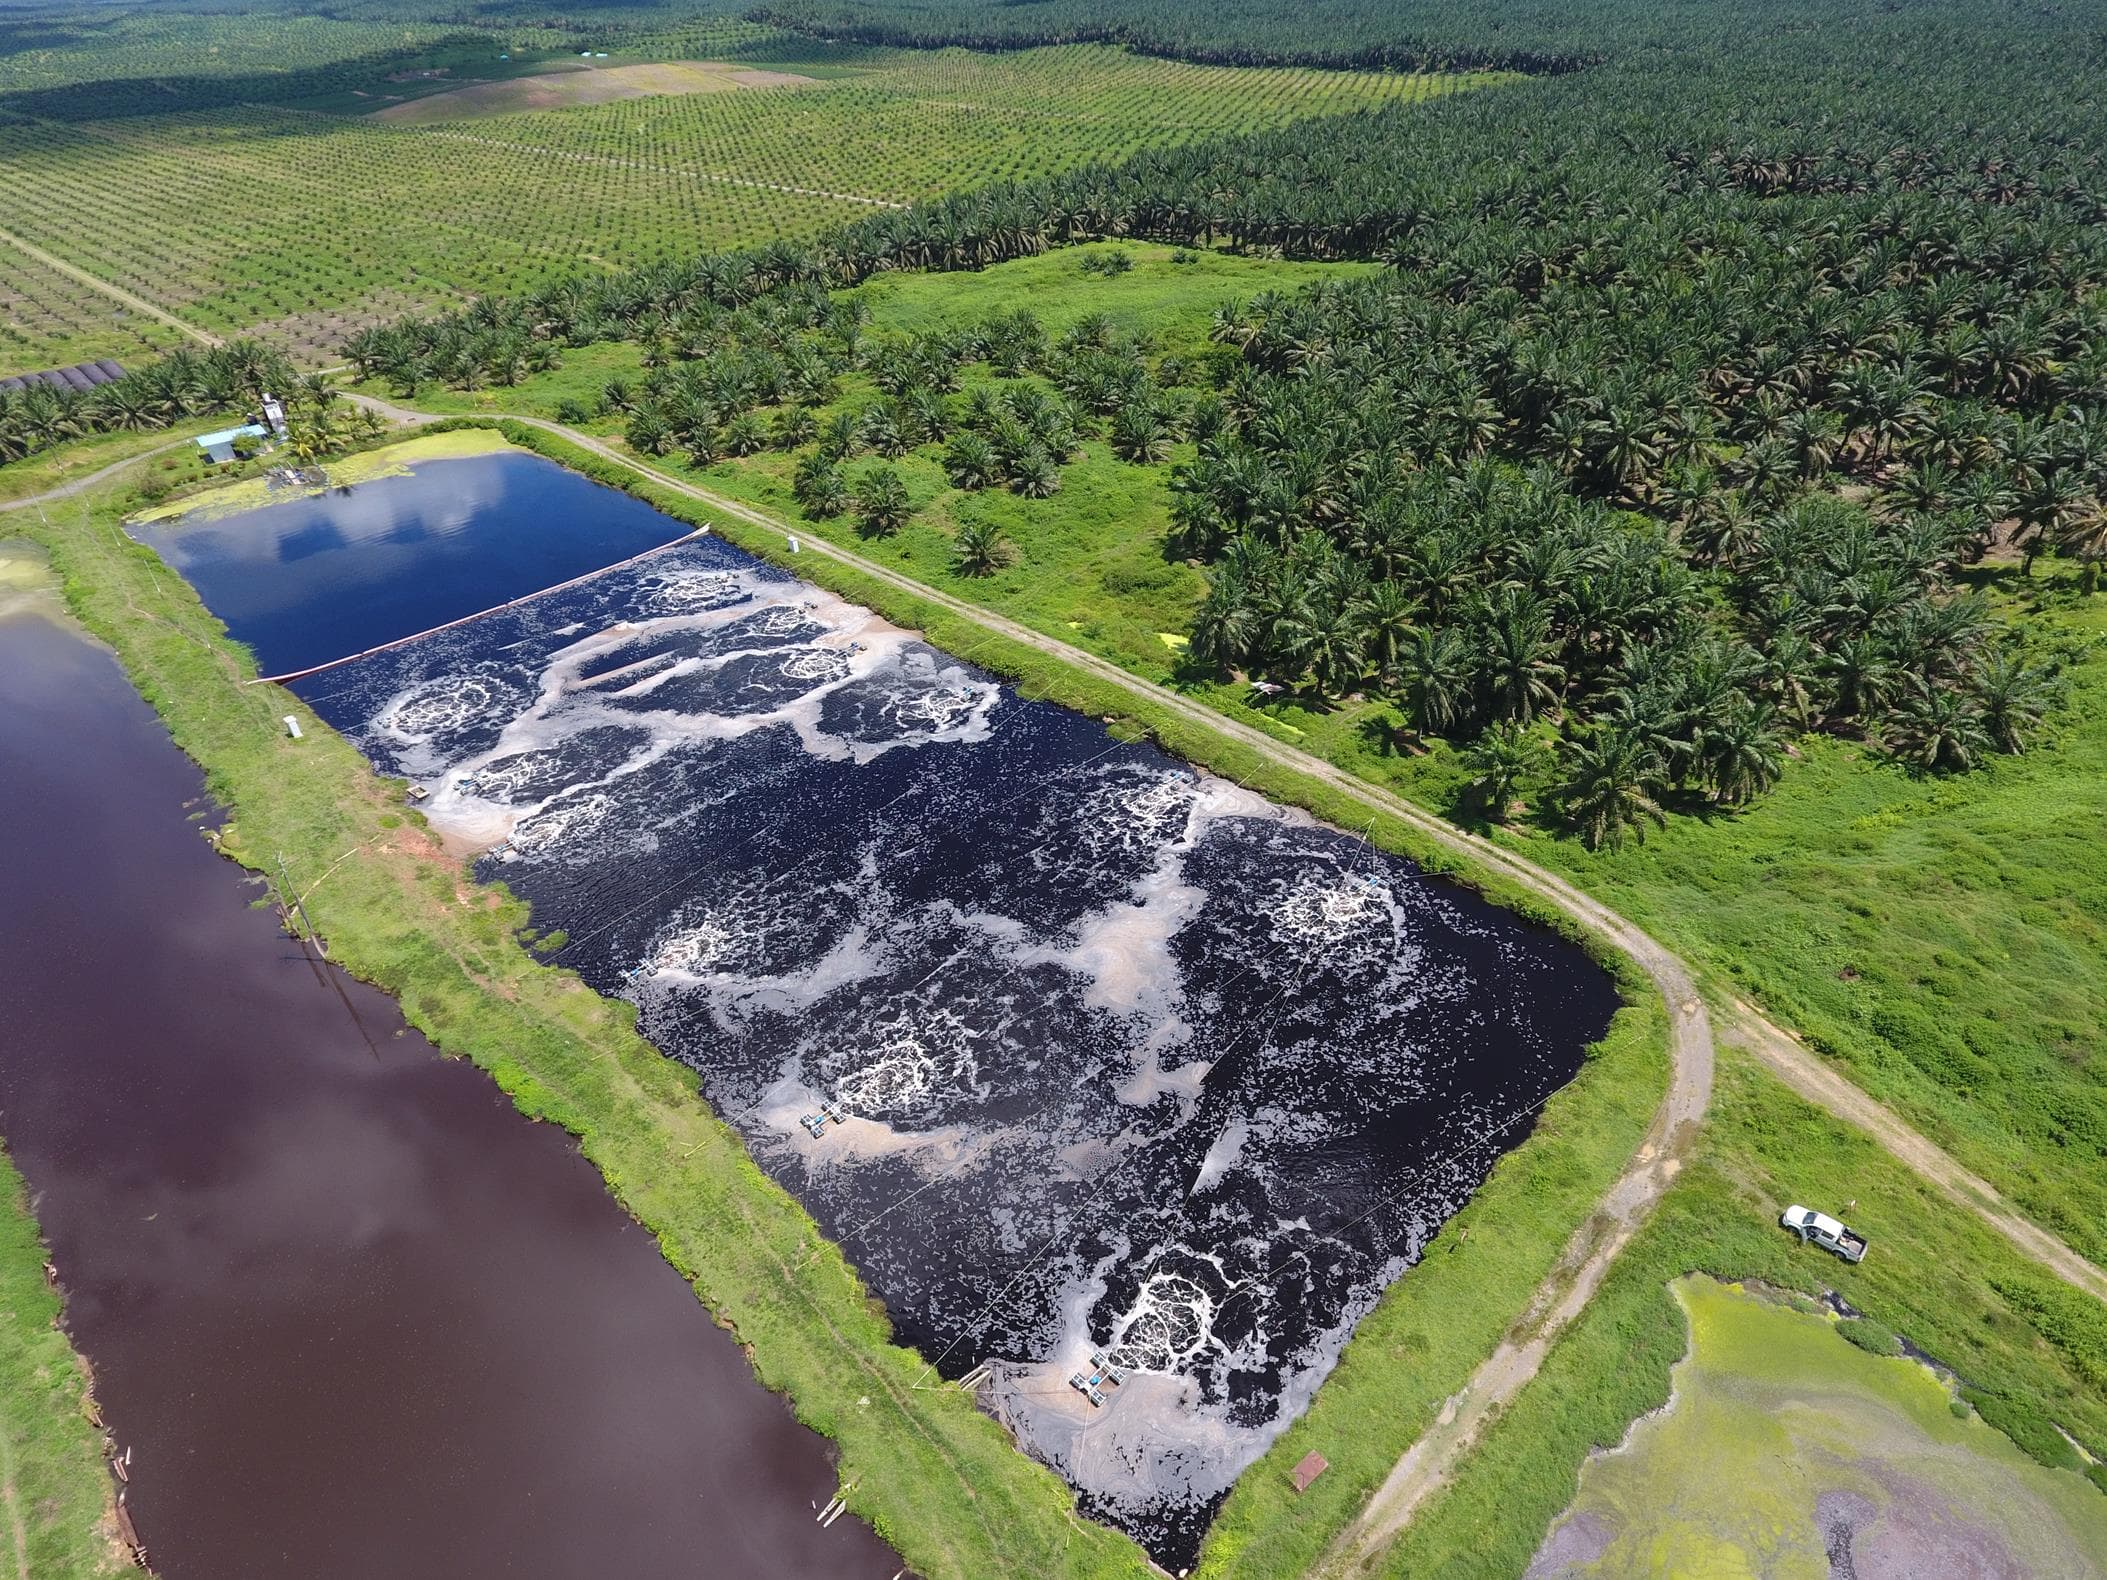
{"x": 1784, "y": 1446}
{"x": 366, "y": 466}
{"x": 24, "y": 568}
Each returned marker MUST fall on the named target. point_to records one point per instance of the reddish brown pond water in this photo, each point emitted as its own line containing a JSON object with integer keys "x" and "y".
{"x": 354, "y": 1314}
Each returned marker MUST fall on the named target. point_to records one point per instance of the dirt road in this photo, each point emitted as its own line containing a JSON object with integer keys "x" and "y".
{"x": 82, "y": 484}
{"x": 116, "y": 293}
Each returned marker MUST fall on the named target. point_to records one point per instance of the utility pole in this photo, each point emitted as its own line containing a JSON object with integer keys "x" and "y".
{"x": 293, "y": 897}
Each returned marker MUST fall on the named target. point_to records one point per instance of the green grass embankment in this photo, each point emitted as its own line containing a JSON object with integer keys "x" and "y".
{"x": 54, "y": 1491}
{"x": 1936, "y": 1276}
{"x": 936, "y": 1477}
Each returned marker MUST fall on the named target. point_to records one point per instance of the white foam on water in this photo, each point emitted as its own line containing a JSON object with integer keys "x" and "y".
{"x": 733, "y": 995}
{"x": 691, "y": 951}
{"x": 900, "y": 1076}
{"x": 558, "y": 822}
{"x": 683, "y": 591}
{"x": 1170, "y": 1324}
{"x": 1224, "y": 1155}
{"x": 1327, "y": 909}
{"x": 817, "y": 663}
{"x": 916, "y": 700}
{"x": 916, "y": 1058}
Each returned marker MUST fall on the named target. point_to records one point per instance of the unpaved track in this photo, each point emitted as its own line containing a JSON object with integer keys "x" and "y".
{"x": 81, "y": 484}
{"x": 116, "y": 293}
{"x": 1815, "y": 1079}
{"x": 1670, "y": 1137}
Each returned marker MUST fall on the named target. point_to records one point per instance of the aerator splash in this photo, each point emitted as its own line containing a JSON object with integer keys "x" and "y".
{"x": 1096, "y": 1066}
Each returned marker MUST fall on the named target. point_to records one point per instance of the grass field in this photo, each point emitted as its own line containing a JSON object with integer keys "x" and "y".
{"x": 308, "y": 227}
{"x": 53, "y": 1487}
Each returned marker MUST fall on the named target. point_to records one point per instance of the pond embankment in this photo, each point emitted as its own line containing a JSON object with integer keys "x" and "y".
{"x": 1166, "y": 1071}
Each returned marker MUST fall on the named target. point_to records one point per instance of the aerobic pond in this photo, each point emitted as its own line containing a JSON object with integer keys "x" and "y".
{"x": 1094, "y": 1064}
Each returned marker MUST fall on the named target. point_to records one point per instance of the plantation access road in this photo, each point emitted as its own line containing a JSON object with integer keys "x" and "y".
{"x": 83, "y": 484}
{"x": 116, "y": 293}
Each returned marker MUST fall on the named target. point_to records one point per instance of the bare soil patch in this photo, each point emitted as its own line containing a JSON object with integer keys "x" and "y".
{"x": 564, "y": 89}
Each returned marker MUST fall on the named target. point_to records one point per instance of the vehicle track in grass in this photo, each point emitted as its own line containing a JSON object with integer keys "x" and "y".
{"x": 1672, "y": 1133}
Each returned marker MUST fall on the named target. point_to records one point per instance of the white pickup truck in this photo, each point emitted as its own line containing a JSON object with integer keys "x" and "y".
{"x": 1825, "y": 1232}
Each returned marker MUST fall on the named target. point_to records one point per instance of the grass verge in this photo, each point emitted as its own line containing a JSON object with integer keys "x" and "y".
{"x": 1937, "y": 1277}
{"x": 54, "y": 1491}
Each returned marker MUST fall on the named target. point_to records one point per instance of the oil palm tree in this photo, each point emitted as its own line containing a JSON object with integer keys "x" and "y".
{"x": 978, "y": 548}
{"x": 2012, "y": 698}
{"x": 1939, "y": 730}
{"x": 1035, "y": 475}
{"x": 1740, "y": 755}
{"x": 2083, "y": 536}
{"x": 1612, "y": 785}
{"x": 970, "y": 461}
{"x": 1517, "y": 665}
{"x": 1436, "y": 669}
{"x": 882, "y": 506}
{"x": 1502, "y": 760}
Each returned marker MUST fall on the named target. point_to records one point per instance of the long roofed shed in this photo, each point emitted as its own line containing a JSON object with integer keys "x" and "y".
{"x": 80, "y": 377}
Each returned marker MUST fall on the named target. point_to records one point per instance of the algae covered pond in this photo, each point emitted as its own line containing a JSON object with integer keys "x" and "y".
{"x": 349, "y": 1312}
{"x": 1076, "y": 1051}
{"x": 1787, "y": 1452}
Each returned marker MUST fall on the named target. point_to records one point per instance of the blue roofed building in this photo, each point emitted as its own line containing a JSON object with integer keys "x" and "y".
{"x": 219, "y": 447}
